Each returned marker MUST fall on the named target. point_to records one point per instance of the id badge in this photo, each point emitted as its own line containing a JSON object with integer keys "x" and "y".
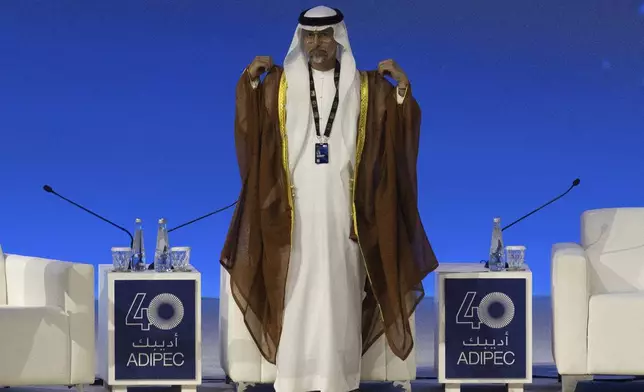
{"x": 321, "y": 153}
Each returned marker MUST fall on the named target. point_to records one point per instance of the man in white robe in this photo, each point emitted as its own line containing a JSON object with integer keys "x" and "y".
{"x": 320, "y": 345}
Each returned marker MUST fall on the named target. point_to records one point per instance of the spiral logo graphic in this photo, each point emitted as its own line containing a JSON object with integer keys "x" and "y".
{"x": 165, "y": 323}
{"x": 496, "y": 322}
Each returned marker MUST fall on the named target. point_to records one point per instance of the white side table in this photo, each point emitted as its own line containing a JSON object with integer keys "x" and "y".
{"x": 149, "y": 329}
{"x": 484, "y": 326}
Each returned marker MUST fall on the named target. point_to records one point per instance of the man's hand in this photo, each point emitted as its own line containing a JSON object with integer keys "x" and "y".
{"x": 389, "y": 67}
{"x": 259, "y": 65}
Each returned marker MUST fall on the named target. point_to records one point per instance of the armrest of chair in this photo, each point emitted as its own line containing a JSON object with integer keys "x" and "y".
{"x": 223, "y": 319}
{"x": 79, "y": 305}
{"x": 570, "y": 293}
{"x": 35, "y": 281}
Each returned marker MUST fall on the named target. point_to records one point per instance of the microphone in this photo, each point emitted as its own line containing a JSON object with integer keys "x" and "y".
{"x": 197, "y": 220}
{"x": 203, "y": 217}
{"x": 574, "y": 184}
{"x": 49, "y": 189}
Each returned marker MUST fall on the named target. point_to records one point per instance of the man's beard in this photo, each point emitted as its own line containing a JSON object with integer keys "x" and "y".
{"x": 318, "y": 56}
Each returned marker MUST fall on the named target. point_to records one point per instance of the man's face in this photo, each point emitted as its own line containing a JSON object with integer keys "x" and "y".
{"x": 320, "y": 45}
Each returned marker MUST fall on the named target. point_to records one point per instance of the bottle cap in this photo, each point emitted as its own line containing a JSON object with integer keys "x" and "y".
{"x": 138, "y": 220}
{"x": 161, "y": 221}
{"x": 497, "y": 220}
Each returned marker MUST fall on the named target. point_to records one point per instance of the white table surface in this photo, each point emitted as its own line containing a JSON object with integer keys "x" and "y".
{"x": 471, "y": 267}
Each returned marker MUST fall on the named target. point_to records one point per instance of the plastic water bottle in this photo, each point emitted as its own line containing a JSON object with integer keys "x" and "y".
{"x": 138, "y": 247}
{"x": 162, "y": 251}
{"x": 497, "y": 259}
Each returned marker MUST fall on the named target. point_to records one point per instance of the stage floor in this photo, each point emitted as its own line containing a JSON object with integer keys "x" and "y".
{"x": 417, "y": 386}
{"x": 545, "y": 374}
{"x": 545, "y": 381}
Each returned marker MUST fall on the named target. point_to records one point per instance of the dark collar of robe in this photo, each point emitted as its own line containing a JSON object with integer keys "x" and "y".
{"x": 385, "y": 220}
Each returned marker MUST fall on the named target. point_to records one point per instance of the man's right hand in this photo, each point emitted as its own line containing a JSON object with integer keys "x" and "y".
{"x": 259, "y": 66}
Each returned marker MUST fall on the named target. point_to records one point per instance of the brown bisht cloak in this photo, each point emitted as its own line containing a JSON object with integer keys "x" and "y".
{"x": 386, "y": 223}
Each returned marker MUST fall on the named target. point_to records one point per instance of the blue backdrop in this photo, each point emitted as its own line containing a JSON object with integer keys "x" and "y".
{"x": 126, "y": 106}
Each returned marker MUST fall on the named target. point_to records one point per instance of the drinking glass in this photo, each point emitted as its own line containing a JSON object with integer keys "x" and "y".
{"x": 180, "y": 257}
{"x": 515, "y": 257}
{"x": 162, "y": 261}
{"x": 121, "y": 258}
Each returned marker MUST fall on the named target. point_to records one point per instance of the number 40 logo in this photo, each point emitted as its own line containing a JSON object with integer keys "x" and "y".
{"x": 144, "y": 317}
{"x": 477, "y": 315}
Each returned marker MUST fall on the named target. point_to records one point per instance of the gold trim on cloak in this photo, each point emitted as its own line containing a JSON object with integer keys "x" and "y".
{"x": 362, "y": 134}
{"x": 362, "y": 131}
{"x": 281, "y": 113}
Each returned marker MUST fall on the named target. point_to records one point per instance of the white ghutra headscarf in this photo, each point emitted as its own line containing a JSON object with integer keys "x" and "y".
{"x": 298, "y": 104}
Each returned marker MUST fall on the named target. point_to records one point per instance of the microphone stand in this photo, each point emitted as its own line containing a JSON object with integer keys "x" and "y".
{"x": 203, "y": 217}
{"x": 49, "y": 189}
{"x": 197, "y": 220}
{"x": 574, "y": 184}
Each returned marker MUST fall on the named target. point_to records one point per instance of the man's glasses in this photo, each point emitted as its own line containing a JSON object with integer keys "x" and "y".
{"x": 322, "y": 37}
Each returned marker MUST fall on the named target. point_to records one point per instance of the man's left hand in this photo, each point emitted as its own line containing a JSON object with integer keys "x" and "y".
{"x": 389, "y": 67}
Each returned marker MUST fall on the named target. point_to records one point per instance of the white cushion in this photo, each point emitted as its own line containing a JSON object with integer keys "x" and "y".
{"x": 615, "y": 326}
{"x": 34, "y": 281}
{"x": 614, "y": 242}
{"x": 55, "y": 289}
{"x": 570, "y": 294}
{"x": 239, "y": 357}
{"x": 374, "y": 362}
{"x": 35, "y": 345}
{"x": 397, "y": 369}
{"x": 3, "y": 279}
{"x": 242, "y": 362}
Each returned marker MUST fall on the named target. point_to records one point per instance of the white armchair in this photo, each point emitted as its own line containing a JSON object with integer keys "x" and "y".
{"x": 243, "y": 363}
{"x": 598, "y": 297}
{"x": 46, "y": 322}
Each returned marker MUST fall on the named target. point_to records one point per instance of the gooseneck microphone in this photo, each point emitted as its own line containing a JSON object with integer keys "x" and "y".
{"x": 197, "y": 220}
{"x": 49, "y": 189}
{"x": 574, "y": 184}
{"x": 204, "y": 217}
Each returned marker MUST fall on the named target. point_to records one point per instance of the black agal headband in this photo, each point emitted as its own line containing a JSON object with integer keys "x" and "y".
{"x": 323, "y": 21}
